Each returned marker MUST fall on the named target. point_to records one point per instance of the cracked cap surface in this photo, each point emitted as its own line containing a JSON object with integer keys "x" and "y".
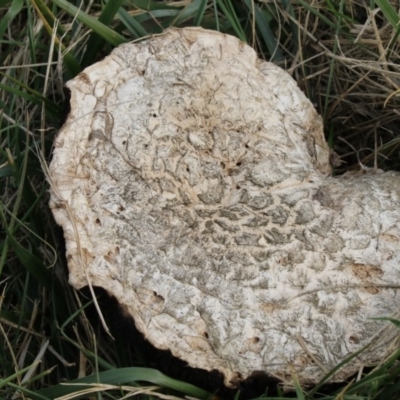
{"x": 192, "y": 181}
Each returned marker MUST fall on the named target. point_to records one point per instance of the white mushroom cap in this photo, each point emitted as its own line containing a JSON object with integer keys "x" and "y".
{"x": 192, "y": 181}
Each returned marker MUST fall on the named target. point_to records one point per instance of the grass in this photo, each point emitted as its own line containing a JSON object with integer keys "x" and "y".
{"x": 344, "y": 55}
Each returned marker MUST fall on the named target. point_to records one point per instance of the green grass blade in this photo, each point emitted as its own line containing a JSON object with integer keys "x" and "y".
{"x": 287, "y": 4}
{"x": 132, "y": 24}
{"x": 95, "y": 40}
{"x": 6, "y": 381}
{"x": 394, "y": 321}
{"x": 390, "y": 13}
{"x": 102, "y": 30}
{"x": 30, "y": 262}
{"x": 47, "y": 15}
{"x": 89, "y": 354}
{"x": 266, "y": 32}
{"x": 216, "y": 17}
{"x": 125, "y": 376}
{"x": 35, "y": 99}
{"x": 313, "y": 11}
{"x": 391, "y": 391}
{"x": 148, "y": 5}
{"x": 326, "y": 378}
{"x": 200, "y": 12}
{"x": 12, "y": 12}
{"x": 193, "y": 9}
{"x": 49, "y": 20}
{"x": 31, "y": 394}
{"x": 33, "y": 169}
{"x": 32, "y": 96}
{"x": 393, "y": 17}
{"x": 230, "y": 14}
{"x": 75, "y": 314}
{"x": 162, "y": 13}
{"x": 299, "y": 390}
{"x": 332, "y": 63}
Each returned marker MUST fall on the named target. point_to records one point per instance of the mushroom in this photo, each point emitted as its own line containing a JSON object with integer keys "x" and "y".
{"x": 192, "y": 181}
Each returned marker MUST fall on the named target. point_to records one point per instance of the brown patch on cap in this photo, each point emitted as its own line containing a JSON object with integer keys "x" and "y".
{"x": 363, "y": 271}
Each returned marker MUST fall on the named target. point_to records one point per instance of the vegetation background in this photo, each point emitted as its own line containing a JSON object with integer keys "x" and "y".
{"x": 344, "y": 54}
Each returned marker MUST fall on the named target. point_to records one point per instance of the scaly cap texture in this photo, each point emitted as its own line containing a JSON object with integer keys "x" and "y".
{"x": 192, "y": 181}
